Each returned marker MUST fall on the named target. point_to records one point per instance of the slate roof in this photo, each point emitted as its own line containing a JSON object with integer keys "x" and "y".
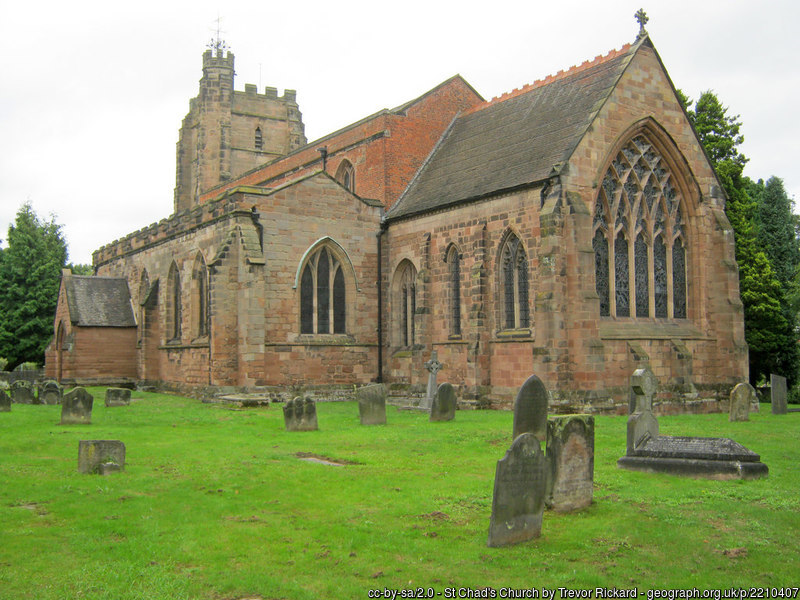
{"x": 515, "y": 140}
{"x": 99, "y": 301}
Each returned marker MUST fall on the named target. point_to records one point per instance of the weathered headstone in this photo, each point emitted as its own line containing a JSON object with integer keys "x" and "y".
{"x": 642, "y": 423}
{"x": 443, "y": 407}
{"x": 76, "y": 407}
{"x": 433, "y": 366}
{"x": 118, "y": 397}
{"x": 520, "y": 483}
{"x": 742, "y": 396}
{"x": 101, "y": 456}
{"x": 50, "y": 393}
{"x": 530, "y": 409}
{"x": 570, "y": 457}
{"x": 778, "y": 385}
{"x": 5, "y": 402}
{"x": 372, "y": 404}
{"x": 22, "y": 393}
{"x": 300, "y": 415}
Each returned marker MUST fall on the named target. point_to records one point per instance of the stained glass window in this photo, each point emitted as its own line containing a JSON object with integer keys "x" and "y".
{"x": 642, "y": 281}
{"x": 405, "y": 298}
{"x": 600, "y": 246}
{"x": 621, "y": 276}
{"x": 516, "y": 311}
{"x": 660, "y": 279}
{"x": 679, "y": 279}
{"x": 322, "y": 295}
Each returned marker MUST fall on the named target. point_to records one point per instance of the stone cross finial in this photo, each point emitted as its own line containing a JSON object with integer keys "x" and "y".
{"x": 642, "y": 19}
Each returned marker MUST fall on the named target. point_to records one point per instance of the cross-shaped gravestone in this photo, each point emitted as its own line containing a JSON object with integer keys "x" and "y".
{"x": 433, "y": 366}
{"x": 642, "y": 424}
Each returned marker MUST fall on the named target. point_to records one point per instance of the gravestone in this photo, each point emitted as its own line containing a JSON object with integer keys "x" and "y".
{"x": 520, "y": 483}
{"x": 433, "y": 366}
{"x": 50, "y": 393}
{"x": 76, "y": 407}
{"x": 372, "y": 404}
{"x": 443, "y": 407}
{"x": 300, "y": 415}
{"x": 570, "y": 458}
{"x": 530, "y": 409}
{"x": 642, "y": 423}
{"x": 742, "y": 396}
{"x": 5, "y": 402}
{"x": 118, "y": 397}
{"x": 101, "y": 456}
{"x": 22, "y": 393}
{"x": 778, "y": 385}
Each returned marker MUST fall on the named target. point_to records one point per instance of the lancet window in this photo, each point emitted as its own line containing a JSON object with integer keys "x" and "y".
{"x": 454, "y": 283}
{"x": 514, "y": 284}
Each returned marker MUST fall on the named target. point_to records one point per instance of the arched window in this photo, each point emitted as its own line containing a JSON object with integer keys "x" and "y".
{"x": 173, "y": 304}
{"x": 514, "y": 284}
{"x": 200, "y": 297}
{"x": 405, "y": 301}
{"x": 346, "y": 175}
{"x": 259, "y": 141}
{"x": 144, "y": 289}
{"x": 639, "y": 240}
{"x": 454, "y": 285}
{"x": 322, "y": 294}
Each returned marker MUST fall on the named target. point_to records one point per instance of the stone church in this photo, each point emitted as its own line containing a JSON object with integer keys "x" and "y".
{"x": 572, "y": 228}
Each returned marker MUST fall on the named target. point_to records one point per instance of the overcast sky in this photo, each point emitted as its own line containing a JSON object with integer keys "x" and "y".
{"x": 92, "y": 94}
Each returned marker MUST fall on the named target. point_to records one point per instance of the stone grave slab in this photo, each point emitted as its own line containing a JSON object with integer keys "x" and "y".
{"x": 570, "y": 458}
{"x": 372, "y": 404}
{"x": 5, "y": 402}
{"x": 118, "y": 397}
{"x": 444, "y": 404}
{"x": 50, "y": 393}
{"x": 778, "y": 393}
{"x": 300, "y": 414}
{"x": 22, "y": 392}
{"x": 530, "y": 409}
{"x": 101, "y": 456}
{"x": 76, "y": 407}
{"x": 519, "y": 493}
{"x": 743, "y": 395}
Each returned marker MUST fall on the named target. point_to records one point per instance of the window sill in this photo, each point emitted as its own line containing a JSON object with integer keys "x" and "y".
{"x": 507, "y": 334}
{"x": 627, "y": 328}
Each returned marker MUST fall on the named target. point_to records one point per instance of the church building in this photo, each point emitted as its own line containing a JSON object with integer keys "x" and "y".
{"x": 573, "y": 228}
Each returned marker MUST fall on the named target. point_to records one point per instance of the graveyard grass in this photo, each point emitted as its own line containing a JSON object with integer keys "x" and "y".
{"x": 218, "y": 503}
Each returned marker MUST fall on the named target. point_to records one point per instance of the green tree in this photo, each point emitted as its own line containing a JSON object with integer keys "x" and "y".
{"x": 776, "y": 229}
{"x": 718, "y": 132}
{"x": 30, "y": 274}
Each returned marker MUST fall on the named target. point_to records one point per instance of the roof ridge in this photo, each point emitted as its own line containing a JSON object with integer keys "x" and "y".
{"x": 599, "y": 59}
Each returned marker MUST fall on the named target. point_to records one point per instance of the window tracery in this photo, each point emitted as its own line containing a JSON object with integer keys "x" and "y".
{"x": 322, "y": 294}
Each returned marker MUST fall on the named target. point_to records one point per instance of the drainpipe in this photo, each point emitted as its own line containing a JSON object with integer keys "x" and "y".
{"x": 379, "y": 235}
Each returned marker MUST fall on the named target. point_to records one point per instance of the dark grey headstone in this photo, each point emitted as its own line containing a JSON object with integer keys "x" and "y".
{"x": 530, "y": 409}
{"x": 372, "y": 404}
{"x": 444, "y": 403}
{"x": 742, "y": 396}
{"x": 300, "y": 415}
{"x": 22, "y": 392}
{"x": 101, "y": 456}
{"x": 76, "y": 407}
{"x": 520, "y": 483}
{"x": 50, "y": 393}
{"x": 642, "y": 423}
{"x": 778, "y": 385}
{"x": 5, "y": 402}
{"x": 118, "y": 397}
{"x": 570, "y": 456}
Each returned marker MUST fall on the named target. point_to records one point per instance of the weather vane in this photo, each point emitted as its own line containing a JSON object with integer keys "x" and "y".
{"x": 217, "y": 44}
{"x": 642, "y": 19}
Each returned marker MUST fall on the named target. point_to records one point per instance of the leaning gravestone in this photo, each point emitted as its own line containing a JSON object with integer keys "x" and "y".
{"x": 443, "y": 407}
{"x": 50, "y": 393}
{"x": 520, "y": 483}
{"x": 118, "y": 397}
{"x": 742, "y": 396}
{"x": 372, "y": 404}
{"x": 76, "y": 407}
{"x": 101, "y": 456}
{"x": 570, "y": 457}
{"x": 530, "y": 409}
{"x": 300, "y": 415}
{"x": 778, "y": 385}
{"x": 22, "y": 393}
{"x": 642, "y": 424}
{"x": 5, "y": 402}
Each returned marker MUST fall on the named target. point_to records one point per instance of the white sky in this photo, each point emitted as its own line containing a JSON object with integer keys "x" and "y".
{"x": 92, "y": 93}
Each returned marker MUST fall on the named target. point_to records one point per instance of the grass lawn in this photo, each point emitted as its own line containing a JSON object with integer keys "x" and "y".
{"x": 217, "y": 503}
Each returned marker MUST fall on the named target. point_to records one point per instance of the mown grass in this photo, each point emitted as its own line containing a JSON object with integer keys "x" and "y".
{"x": 215, "y": 503}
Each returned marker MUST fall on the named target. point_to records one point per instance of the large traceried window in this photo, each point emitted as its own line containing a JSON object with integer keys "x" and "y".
{"x": 322, "y": 294}
{"x": 514, "y": 284}
{"x": 639, "y": 239}
{"x": 454, "y": 285}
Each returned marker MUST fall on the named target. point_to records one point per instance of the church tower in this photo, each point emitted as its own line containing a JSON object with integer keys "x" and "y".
{"x": 226, "y": 133}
